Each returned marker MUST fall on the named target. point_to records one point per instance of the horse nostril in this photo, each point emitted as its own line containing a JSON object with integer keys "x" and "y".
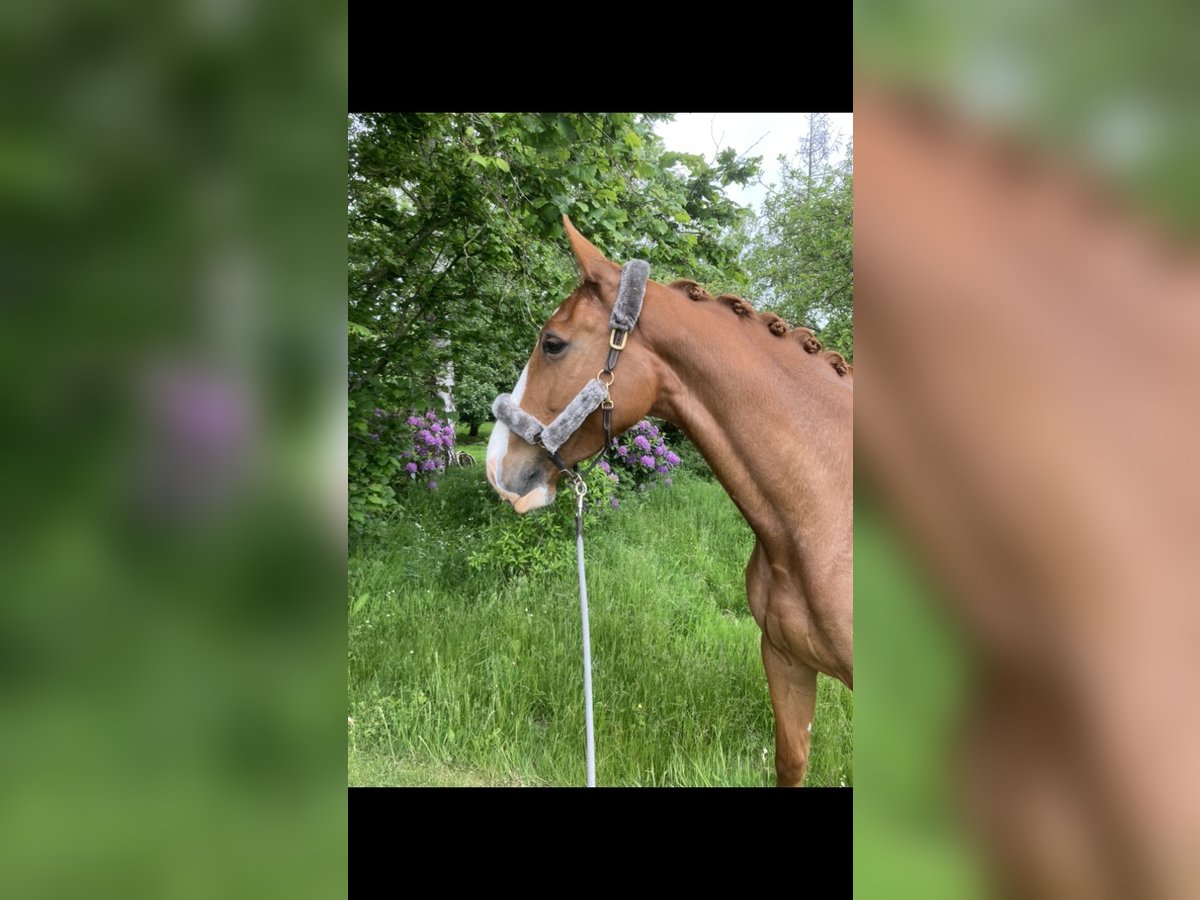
{"x": 531, "y": 477}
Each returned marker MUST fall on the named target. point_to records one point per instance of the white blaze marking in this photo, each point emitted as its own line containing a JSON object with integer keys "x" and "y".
{"x": 498, "y": 442}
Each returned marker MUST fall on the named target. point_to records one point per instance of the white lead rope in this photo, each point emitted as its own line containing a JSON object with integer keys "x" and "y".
{"x": 580, "y": 491}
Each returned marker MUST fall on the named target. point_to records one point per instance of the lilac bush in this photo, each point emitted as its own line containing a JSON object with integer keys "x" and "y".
{"x": 427, "y": 447}
{"x": 641, "y": 455}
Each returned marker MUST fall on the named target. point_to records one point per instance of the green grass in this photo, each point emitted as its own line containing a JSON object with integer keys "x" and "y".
{"x": 458, "y": 678}
{"x": 373, "y": 767}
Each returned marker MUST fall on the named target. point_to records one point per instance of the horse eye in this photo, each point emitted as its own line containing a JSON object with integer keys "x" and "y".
{"x": 553, "y": 345}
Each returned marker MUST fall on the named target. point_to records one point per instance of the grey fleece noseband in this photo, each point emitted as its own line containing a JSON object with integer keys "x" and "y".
{"x": 594, "y": 394}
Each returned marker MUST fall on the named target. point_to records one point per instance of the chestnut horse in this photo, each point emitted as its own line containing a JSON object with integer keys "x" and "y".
{"x": 1032, "y": 422}
{"x": 772, "y": 414}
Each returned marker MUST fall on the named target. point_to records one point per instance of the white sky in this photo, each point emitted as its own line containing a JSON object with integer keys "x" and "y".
{"x": 776, "y": 133}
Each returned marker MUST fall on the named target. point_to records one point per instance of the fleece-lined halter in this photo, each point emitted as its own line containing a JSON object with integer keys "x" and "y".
{"x": 594, "y": 394}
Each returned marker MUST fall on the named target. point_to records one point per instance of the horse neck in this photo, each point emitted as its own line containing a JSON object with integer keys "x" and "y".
{"x": 773, "y": 422}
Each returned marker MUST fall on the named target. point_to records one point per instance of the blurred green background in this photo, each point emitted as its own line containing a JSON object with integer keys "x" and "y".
{"x": 1113, "y": 83}
{"x": 913, "y": 676}
{"x": 1110, "y": 85}
{"x": 172, "y": 180}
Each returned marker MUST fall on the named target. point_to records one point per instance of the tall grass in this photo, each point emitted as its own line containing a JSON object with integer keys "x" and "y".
{"x": 460, "y": 678}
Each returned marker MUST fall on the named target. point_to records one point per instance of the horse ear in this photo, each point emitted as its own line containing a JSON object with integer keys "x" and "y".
{"x": 595, "y": 267}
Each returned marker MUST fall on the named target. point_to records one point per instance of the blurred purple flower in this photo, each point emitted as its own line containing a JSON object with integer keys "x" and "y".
{"x": 667, "y": 481}
{"x": 431, "y": 416}
{"x": 202, "y": 429}
{"x": 660, "y": 449}
{"x": 378, "y": 413}
{"x": 672, "y": 458}
{"x": 622, "y": 452}
{"x": 604, "y": 466}
{"x": 411, "y": 468}
{"x": 614, "y": 477}
{"x": 614, "y": 502}
{"x": 641, "y": 443}
{"x": 662, "y": 470}
{"x": 647, "y": 461}
{"x": 432, "y": 485}
{"x": 413, "y": 421}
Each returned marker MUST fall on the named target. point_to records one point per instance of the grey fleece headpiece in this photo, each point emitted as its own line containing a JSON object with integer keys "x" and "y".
{"x": 626, "y": 309}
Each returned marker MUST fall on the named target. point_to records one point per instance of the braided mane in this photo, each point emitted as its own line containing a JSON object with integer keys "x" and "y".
{"x": 775, "y": 324}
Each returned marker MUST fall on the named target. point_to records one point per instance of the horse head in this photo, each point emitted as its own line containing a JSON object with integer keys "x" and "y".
{"x": 571, "y": 352}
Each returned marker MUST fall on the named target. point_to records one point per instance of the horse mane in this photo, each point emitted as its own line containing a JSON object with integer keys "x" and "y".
{"x": 776, "y": 325}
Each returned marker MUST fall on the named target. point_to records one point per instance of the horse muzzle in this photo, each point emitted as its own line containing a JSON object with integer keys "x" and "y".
{"x": 534, "y": 487}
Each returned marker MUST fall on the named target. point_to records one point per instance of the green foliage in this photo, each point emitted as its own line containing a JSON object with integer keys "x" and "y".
{"x": 390, "y": 451}
{"x": 456, "y": 245}
{"x": 477, "y": 381}
{"x": 801, "y": 254}
{"x": 373, "y": 464}
{"x": 513, "y": 546}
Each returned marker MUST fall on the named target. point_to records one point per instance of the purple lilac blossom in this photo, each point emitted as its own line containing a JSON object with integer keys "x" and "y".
{"x": 662, "y": 470}
{"x": 672, "y": 458}
{"x": 411, "y": 468}
{"x": 641, "y": 443}
{"x": 660, "y": 450}
{"x": 413, "y": 421}
{"x": 614, "y": 502}
{"x": 647, "y": 461}
{"x": 622, "y": 452}
{"x": 432, "y": 485}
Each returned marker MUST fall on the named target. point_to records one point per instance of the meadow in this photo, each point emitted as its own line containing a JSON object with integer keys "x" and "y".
{"x": 464, "y": 654}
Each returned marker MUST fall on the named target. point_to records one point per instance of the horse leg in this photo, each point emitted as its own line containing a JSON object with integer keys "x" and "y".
{"x": 793, "y": 697}
{"x": 793, "y": 685}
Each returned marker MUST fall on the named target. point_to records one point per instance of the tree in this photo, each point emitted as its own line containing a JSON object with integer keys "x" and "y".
{"x": 800, "y": 257}
{"x": 476, "y": 386}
